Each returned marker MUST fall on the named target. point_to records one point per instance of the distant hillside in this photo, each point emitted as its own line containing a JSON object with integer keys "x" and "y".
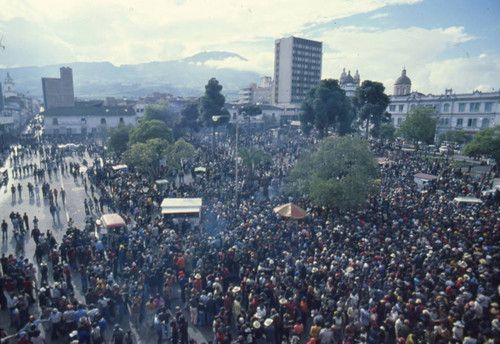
{"x": 186, "y": 77}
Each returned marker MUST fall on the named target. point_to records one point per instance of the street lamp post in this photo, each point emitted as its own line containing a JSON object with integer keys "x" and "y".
{"x": 236, "y": 165}
{"x": 215, "y": 119}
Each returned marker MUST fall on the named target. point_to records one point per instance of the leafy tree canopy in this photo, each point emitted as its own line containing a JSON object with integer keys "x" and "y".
{"x": 326, "y": 106}
{"x": 250, "y": 110}
{"x": 211, "y": 104}
{"x": 340, "y": 174}
{"x": 147, "y": 130}
{"x": 485, "y": 142}
{"x": 371, "y": 103}
{"x": 176, "y": 152}
{"x": 387, "y": 131}
{"x": 146, "y": 156}
{"x": 190, "y": 116}
{"x": 419, "y": 125}
{"x": 118, "y": 138}
{"x": 252, "y": 158}
{"x": 161, "y": 112}
{"x": 457, "y": 136}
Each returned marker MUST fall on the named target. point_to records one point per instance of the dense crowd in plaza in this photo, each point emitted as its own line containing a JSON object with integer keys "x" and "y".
{"x": 413, "y": 266}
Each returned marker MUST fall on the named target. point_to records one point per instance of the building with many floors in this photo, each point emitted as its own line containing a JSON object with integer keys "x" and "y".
{"x": 254, "y": 94}
{"x": 59, "y": 92}
{"x": 297, "y": 69}
{"x": 469, "y": 112}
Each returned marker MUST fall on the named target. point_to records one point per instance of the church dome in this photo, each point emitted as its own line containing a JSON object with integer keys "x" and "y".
{"x": 403, "y": 79}
{"x": 349, "y": 79}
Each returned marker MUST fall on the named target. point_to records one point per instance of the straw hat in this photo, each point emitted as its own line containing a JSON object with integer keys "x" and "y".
{"x": 268, "y": 322}
{"x": 236, "y": 289}
{"x": 256, "y": 324}
{"x": 197, "y": 276}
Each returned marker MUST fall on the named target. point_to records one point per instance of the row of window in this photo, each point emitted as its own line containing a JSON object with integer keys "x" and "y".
{"x": 55, "y": 121}
{"x": 444, "y": 122}
{"x": 298, "y": 46}
{"x": 473, "y": 107}
{"x": 462, "y": 107}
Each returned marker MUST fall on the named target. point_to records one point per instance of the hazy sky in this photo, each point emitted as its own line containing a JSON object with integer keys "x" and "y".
{"x": 442, "y": 43}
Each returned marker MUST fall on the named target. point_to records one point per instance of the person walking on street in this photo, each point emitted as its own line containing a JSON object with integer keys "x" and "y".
{"x": 35, "y": 222}
{"x": 26, "y": 221}
{"x": 63, "y": 196}
{"x": 13, "y": 191}
{"x": 58, "y": 213}
{"x": 118, "y": 335}
{"x": 5, "y": 226}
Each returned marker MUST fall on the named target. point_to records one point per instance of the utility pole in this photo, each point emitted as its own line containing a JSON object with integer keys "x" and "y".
{"x": 236, "y": 164}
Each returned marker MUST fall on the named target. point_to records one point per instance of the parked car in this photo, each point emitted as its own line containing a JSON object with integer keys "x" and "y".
{"x": 445, "y": 150}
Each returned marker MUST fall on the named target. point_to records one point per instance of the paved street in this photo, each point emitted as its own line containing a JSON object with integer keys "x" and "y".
{"x": 39, "y": 207}
{"x": 73, "y": 208}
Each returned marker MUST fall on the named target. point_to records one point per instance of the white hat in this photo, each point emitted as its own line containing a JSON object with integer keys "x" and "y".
{"x": 268, "y": 322}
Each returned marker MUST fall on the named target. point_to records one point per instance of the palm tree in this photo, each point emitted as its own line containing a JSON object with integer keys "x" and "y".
{"x": 250, "y": 158}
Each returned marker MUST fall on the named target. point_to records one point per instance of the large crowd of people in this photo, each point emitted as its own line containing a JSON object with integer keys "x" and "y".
{"x": 412, "y": 266}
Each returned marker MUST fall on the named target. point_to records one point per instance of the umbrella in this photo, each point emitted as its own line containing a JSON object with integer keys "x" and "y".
{"x": 290, "y": 211}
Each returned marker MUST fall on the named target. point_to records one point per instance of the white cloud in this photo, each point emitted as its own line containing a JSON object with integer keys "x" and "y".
{"x": 379, "y": 15}
{"x": 116, "y": 30}
{"x": 381, "y": 55}
{"x": 128, "y": 31}
{"x": 464, "y": 74}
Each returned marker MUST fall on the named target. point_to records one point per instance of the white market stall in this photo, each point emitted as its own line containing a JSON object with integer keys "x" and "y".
{"x": 121, "y": 168}
{"x": 463, "y": 199}
{"x": 162, "y": 184}
{"x": 422, "y": 178}
{"x": 182, "y": 208}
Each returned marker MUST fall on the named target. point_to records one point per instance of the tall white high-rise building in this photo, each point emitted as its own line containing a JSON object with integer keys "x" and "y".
{"x": 297, "y": 68}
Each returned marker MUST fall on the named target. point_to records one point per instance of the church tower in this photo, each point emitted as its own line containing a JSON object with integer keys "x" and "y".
{"x": 402, "y": 86}
{"x": 9, "y": 87}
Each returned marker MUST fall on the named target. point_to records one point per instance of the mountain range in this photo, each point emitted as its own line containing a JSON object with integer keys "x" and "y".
{"x": 185, "y": 77}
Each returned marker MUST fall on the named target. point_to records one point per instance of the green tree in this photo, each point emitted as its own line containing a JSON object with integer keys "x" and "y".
{"x": 371, "y": 103}
{"x": 485, "y": 142}
{"x": 387, "y": 131}
{"x": 190, "y": 117}
{"x": 211, "y": 104}
{"x": 146, "y": 156}
{"x": 419, "y": 125}
{"x": 251, "y": 158}
{"x": 457, "y": 136}
{"x": 340, "y": 174}
{"x": 250, "y": 110}
{"x": 118, "y": 138}
{"x": 326, "y": 106}
{"x": 147, "y": 130}
{"x": 160, "y": 111}
{"x": 176, "y": 152}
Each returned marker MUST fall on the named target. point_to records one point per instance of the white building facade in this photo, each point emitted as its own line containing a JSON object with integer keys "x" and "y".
{"x": 86, "y": 120}
{"x": 254, "y": 94}
{"x": 348, "y": 83}
{"x": 468, "y": 112}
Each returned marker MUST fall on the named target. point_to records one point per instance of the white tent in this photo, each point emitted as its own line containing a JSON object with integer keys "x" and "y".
{"x": 182, "y": 207}
{"x": 463, "y": 199}
{"x": 120, "y": 168}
